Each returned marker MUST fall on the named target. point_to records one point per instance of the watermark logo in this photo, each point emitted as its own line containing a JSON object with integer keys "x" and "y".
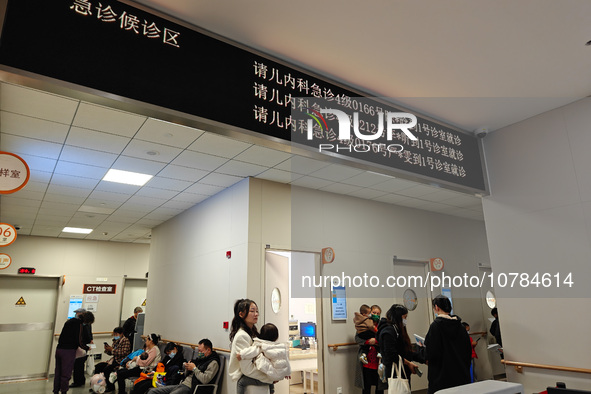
{"x": 392, "y": 120}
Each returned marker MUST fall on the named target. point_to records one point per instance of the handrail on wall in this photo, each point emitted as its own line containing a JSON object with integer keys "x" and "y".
{"x": 519, "y": 367}
{"x": 335, "y": 346}
{"x": 94, "y": 333}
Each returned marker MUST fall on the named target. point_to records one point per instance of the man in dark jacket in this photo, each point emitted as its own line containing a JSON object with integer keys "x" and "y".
{"x": 129, "y": 325}
{"x": 78, "y": 373}
{"x": 448, "y": 348}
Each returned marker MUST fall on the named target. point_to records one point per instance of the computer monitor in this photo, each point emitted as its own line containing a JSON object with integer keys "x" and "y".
{"x": 308, "y": 329}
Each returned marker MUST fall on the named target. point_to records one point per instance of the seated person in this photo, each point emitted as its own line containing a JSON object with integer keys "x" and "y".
{"x": 140, "y": 363}
{"x": 202, "y": 370}
{"x": 269, "y": 357}
{"x": 364, "y": 325}
{"x": 173, "y": 363}
{"x": 119, "y": 350}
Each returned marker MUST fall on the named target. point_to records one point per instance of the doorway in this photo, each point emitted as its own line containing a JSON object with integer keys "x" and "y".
{"x": 297, "y": 314}
{"x": 417, "y": 300}
{"x": 134, "y": 295}
{"x": 28, "y": 307}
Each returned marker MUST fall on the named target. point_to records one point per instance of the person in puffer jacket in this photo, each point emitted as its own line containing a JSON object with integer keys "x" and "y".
{"x": 269, "y": 357}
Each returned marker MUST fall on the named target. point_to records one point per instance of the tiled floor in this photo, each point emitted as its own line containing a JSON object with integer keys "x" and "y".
{"x": 43, "y": 386}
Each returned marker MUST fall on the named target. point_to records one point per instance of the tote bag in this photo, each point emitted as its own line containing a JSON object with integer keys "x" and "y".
{"x": 398, "y": 385}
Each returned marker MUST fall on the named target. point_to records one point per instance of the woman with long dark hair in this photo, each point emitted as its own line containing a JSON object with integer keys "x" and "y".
{"x": 394, "y": 342}
{"x": 242, "y": 333}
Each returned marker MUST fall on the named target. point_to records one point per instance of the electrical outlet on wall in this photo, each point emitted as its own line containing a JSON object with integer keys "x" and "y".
{"x": 339, "y": 390}
{"x": 97, "y": 357}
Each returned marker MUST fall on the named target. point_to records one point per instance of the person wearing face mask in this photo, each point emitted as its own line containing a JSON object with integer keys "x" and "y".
{"x": 395, "y": 344}
{"x": 173, "y": 363}
{"x": 119, "y": 349}
{"x": 366, "y": 325}
{"x": 448, "y": 348}
{"x": 202, "y": 370}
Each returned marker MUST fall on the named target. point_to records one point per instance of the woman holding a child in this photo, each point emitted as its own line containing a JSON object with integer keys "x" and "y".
{"x": 248, "y": 365}
{"x": 368, "y": 356}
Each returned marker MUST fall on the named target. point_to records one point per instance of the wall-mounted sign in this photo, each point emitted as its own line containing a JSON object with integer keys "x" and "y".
{"x": 14, "y": 173}
{"x": 436, "y": 264}
{"x": 99, "y": 289}
{"x": 339, "y": 303}
{"x": 21, "y": 302}
{"x": 91, "y": 298}
{"x": 5, "y": 261}
{"x": 26, "y": 270}
{"x": 216, "y": 81}
{"x": 7, "y": 234}
{"x": 75, "y": 303}
{"x": 327, "y": 255}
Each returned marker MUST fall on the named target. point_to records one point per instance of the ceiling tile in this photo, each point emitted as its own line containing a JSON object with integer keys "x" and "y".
{"x": 151, "y": 151}
{"x": 182, "y": 173}
{"x": 41, "y": 167}
{"x": 182, "y": 205}
{"x": 239, "y": 168}
{"x": 391, "y": 198}
{"x": 190, "y": 197}
{"x": 68, "y": 191}
{"x": 31, "y": 194}
{"x": 89, "y": 157}
{"x": 35, "y": 186}
{"x": 29, "y": 146}
{"x": 417, "y": 191}
{"x": 166, "y": 133}
{"x": 366, "y": 179}
{"x": 80, "y": 170}
{"x": 336, "y": 172}
{"x": 159, "y": 182}
{"x": 280, "y": 176}
{"x": 463, "y": 201}
{"x": 367, "y": 193}
{"x": 156, "y": 193}
{"x": 114, "y": 187}
{"x": 108, "y": 120}
{"x": 163, "y": 213}
{"x": 31, "y": 102}
{"x": 74, "y": 182}
{"x": 26, "y": 126}
{"x": 263, "y": 156}
{"x": 199, "y": 160}
{"x": 219, "y": 146}
{"x": 311, "y": 182}
{"x": 223, "y": 180}
{"x": 394, "y": 185}
{"x": 147, "y": 202}
{"x": 340, "y": 188}
{"x": 200, "y": 188}
{"x": 90, "y": 139}
{"x": 104, "y": 196}
{"x": 138, "y": 165}
{"x": 301, "y": 165}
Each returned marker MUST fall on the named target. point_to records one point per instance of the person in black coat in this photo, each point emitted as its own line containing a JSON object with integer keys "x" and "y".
{"x": 173, "y": 363}
{"x": 394, "y": 342}
{"x": 448, "y": 348}
{"x": 78, "y": 373}
{"x": 69, "y": 340}
{"x": 129, "y": 325}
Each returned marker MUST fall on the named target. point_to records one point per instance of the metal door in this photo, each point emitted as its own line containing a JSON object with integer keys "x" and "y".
{"x": 27, "y": 319}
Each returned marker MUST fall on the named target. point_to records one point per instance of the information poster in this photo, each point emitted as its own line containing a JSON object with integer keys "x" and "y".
{"x": 339, "y": 303}
{"x": 75, "y": 303}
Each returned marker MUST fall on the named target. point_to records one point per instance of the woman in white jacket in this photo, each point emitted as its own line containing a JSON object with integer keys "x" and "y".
{"x": 242, "y": 334}
{"x": 268, "y": 356}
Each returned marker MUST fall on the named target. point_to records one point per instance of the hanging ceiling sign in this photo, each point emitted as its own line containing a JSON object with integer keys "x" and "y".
{"x": 175, "y": 67}
{"x": 7, "y": 234}
{"x": 14, "y": 173}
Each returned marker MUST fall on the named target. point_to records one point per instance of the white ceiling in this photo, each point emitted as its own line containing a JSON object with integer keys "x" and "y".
{"x": 469, "y": 63}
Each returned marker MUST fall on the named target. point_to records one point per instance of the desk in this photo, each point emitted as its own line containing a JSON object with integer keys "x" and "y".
{"x": 485, "y": 387}
{"x": 304, "y": 361}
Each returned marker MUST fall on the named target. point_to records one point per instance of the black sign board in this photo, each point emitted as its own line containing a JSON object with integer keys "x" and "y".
{"x": 116, "y": 48}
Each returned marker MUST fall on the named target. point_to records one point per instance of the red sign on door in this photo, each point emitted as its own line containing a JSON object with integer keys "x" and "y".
{"x": 99, "y": 289}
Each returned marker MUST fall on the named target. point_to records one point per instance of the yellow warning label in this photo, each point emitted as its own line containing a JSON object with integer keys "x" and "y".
{"x": 144, "y": 303}
{"x": 21, "y": 301}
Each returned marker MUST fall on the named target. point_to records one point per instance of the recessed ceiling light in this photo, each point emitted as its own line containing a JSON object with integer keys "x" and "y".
{"x": 77, "y": 230}
{"x": 152, "y": 153}
{"x": 127, "y": 177}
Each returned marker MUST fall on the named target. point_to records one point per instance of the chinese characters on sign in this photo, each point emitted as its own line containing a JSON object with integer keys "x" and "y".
{"x": 126, "y": 21}
{"x": 99, "y": 289}
{"x": 14, "y": 173}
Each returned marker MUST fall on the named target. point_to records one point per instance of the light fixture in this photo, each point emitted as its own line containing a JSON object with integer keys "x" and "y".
{"x": 127, "y": 177}
{"x": 77, "y": 230}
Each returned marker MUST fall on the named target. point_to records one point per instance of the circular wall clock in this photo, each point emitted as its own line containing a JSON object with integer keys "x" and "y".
{"x": 410, "y": 299}
{"x": 275, "y": 300}
{"x": 491, "y": 301}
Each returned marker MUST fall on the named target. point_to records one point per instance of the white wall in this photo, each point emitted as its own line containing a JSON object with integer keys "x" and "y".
{"x": 538, "y": 219}
{"x": 82, "y": 262}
